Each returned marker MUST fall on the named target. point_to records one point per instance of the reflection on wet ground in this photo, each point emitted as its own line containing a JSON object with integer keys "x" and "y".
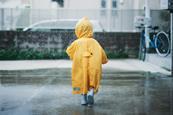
{"x": 48, "y": 92}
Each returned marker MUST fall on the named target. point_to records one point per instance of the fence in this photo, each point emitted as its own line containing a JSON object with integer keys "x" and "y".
{"x": 110, "y": 20}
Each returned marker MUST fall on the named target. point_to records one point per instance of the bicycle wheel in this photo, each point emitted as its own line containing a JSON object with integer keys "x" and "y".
{"x": 162, "y": 44}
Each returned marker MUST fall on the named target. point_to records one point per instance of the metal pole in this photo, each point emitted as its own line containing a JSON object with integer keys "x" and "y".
{"x": 147, "y": 17}
{"x": 172, "y": 42}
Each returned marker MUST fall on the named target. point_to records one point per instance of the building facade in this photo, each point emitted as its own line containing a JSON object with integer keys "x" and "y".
{"x": 112, "y": 14}
{"x": 110, "y": 4}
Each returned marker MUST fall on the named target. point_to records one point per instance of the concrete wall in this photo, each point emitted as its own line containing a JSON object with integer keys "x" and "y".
{"x": 111, "y": 42}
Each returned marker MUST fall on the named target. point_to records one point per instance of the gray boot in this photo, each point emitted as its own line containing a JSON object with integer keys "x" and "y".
{"x": 90, "y": 98}
{"x": 84, "y": 99}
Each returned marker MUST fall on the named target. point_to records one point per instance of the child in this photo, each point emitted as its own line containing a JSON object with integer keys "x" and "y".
{"x": 87, "y": 56}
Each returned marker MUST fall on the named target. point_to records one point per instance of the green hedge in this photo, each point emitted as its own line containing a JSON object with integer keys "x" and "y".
{"x": 116, "y": 55}
{"x": 13, "y": 54}
{"x": 31, "y": 54}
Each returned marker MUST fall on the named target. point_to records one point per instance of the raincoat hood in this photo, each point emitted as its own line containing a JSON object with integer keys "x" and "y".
{"x": 84, "y": 28}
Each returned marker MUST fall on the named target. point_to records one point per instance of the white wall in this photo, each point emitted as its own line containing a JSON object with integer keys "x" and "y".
{"x": 154, "y": 4}
{"x": 41, "y": 4}
{"x": 82, "y": 4}
{"x": 126, "y": 4}
{"x": 10, "y": 4}
{"x": 139, "y": 4}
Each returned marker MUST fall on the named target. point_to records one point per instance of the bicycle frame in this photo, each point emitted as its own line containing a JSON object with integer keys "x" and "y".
{"x": 151, "y": 41}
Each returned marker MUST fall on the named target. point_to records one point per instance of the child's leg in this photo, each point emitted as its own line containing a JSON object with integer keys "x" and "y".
{"x": 90, "y": 97}
{"x": 84, "y": 99}
{"x": 91, "y": 91}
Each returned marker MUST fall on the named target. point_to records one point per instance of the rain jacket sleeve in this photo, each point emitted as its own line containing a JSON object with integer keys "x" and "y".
{"x": 104, "y": 57}
{"x": 71, "y": 50}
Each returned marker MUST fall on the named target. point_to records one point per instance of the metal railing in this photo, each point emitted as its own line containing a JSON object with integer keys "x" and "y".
{"x": 110, "y": 20}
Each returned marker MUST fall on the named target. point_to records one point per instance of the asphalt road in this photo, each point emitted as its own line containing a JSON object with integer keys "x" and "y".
{"x": 48, "y": 92}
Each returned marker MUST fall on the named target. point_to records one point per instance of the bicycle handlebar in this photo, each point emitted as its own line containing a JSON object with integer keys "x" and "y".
{"x": 151, "y": 27}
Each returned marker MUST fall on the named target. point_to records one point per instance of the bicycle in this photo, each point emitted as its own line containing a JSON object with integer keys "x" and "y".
{"x": 159, "y": 41}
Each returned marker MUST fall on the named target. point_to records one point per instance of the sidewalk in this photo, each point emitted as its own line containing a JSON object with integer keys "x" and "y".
{"x": 118, "y": 65}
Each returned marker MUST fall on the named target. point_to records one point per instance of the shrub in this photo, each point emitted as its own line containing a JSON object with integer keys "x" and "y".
{"x": 116, "y": 55}
{"x": 29, "y": 54}
{"x": 13, "y": 54}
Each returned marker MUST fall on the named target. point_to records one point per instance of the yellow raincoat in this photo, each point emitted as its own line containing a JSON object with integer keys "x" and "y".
{"x": 87, "y": 56}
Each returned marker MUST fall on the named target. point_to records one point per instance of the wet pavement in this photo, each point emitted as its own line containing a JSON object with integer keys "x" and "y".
{"x": 48, "y": 92}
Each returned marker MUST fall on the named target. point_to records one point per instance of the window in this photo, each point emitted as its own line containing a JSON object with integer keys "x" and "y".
{"x": 114, "y": 3}
{"x": 60, "y": 2}
{"x": 103, "y": 3}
